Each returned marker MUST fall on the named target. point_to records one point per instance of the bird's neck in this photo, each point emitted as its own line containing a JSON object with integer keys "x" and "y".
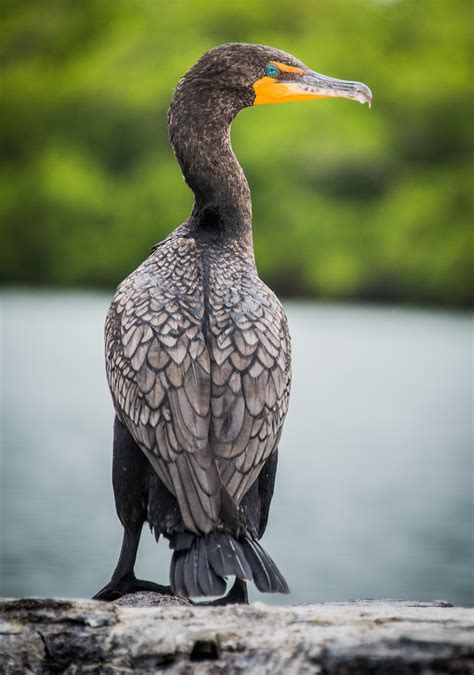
{"x": 222, "y": 208}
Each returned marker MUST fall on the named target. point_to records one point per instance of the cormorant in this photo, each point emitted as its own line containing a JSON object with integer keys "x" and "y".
{"x": 198, "y": 350}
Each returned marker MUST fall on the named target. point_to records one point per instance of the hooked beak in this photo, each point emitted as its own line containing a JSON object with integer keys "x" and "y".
{"x": 309, "y": 85}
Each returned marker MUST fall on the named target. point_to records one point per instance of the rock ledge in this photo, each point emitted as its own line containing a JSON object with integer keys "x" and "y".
{"x": 171, "y": 635}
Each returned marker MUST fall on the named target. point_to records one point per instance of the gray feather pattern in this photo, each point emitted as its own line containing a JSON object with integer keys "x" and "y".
{"x": 205, "y": 404}
{"x": 157, "y": 356}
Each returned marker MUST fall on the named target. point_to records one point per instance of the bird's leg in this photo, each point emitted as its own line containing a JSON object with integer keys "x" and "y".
{"x": 236, "y": 596}
{"x": 123, "y": 579}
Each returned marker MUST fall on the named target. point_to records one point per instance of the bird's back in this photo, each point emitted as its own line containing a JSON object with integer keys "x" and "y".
{"x": 198, "y": 362}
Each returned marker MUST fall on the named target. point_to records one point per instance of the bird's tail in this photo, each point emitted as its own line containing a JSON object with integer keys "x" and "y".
{"x": 201, "y": 564}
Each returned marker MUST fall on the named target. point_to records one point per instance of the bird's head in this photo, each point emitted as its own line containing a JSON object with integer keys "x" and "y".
{"x": 241, "y": 75}
{"x": 222, "y": 82}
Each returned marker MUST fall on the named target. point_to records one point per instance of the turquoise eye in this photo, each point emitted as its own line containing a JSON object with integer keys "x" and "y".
{"x": 271, "y": 70}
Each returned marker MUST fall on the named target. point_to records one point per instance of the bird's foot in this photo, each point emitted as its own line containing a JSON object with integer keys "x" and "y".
{"x": 236, "y": 596}
{"x": 115, "y": 589}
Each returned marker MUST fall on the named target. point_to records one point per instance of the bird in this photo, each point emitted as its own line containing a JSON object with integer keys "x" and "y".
{"x": 198, "y": 353}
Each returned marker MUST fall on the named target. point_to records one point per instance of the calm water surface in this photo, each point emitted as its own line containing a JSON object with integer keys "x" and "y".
{"x": 373, "y": 495}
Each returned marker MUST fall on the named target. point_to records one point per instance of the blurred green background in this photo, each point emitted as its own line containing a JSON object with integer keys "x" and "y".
{"x": 348, "y": 203}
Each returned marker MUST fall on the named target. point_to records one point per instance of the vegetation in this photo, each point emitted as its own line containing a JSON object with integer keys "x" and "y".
{"x": 348, "y": 202}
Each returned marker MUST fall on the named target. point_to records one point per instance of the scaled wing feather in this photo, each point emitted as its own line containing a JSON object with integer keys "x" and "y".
{"x": 158, "y": 371}
{"x": 202, "y": 383}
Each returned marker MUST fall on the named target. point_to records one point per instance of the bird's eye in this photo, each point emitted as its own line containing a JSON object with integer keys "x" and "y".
{"x": 271, "y": 70}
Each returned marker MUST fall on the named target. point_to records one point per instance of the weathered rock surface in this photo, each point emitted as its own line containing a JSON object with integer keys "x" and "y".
{"x": 172, "y": 636}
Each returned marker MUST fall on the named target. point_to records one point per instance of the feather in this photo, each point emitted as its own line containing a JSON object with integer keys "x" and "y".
{"x": 195, "y": 347}
{"x": 279, "y": 381}
{"x": 254, "y": 392}
{"x": 146, "y": 378}
{"x": 220, "y": 355}
{"x": 238, "y": 445}
{"x": 220, "y": 374}
{"x": 133, "y": 342}
{"x": 174, "y": 374}
{"x": 191, "y": 567}
{"x": 256, "y": 369}
{"x": 198, "y": 389}
{"x": 265, "y": 358}
{"x": 158, "y": 317}
{"x": 179, "y": 351}
{"x": 228, "y": 426}
{"x": 167, "y": 340}
{"x": 144, "y": 414}
{"x": 127, "y": 336}
{"x": 155, "y": 397}
{"x": 157, "y": 357}
{"x": 250, "y": 336}
{"x": 227, "y": 557}
{"x": 270, "y": 393}
{"x": 181, "y": 541}
{"x": 204, "y": 361}
{"x": 240, "y": 362}
{"x": 209, "y": 582}
{"x": 266, "y": 575}
{"x": 242, "y": 345}
{"x": 177, "y": 573}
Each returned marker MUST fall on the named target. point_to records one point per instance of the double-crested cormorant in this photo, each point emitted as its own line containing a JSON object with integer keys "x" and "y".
{"x": 198, "y": 351}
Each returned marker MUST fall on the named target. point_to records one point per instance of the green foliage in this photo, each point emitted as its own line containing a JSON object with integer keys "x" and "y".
{"x": 348, "y": 203}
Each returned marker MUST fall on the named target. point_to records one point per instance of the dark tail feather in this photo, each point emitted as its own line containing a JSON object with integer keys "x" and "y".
{"x": 226, "y": 556}
{"x": 206, "y": 575}
{"x": 266, "y": 575}
{"x": 191, "y": 575}
{"x": 177, "y": 573}
{"x": 200, "y": 565}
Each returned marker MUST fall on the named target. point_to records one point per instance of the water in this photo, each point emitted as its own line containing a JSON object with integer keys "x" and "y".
{"x": 373, "y": 495}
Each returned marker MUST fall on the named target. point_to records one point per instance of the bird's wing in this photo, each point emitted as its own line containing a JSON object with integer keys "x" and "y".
{"x": 158, "y": 369}
{"x": 250, "y": 379}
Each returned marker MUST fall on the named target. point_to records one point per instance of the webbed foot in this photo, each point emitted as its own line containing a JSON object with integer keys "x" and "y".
{"x": 115, "y": 589}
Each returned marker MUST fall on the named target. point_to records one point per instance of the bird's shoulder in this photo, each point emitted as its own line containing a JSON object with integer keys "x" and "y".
{"x": 245, "y": 314}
